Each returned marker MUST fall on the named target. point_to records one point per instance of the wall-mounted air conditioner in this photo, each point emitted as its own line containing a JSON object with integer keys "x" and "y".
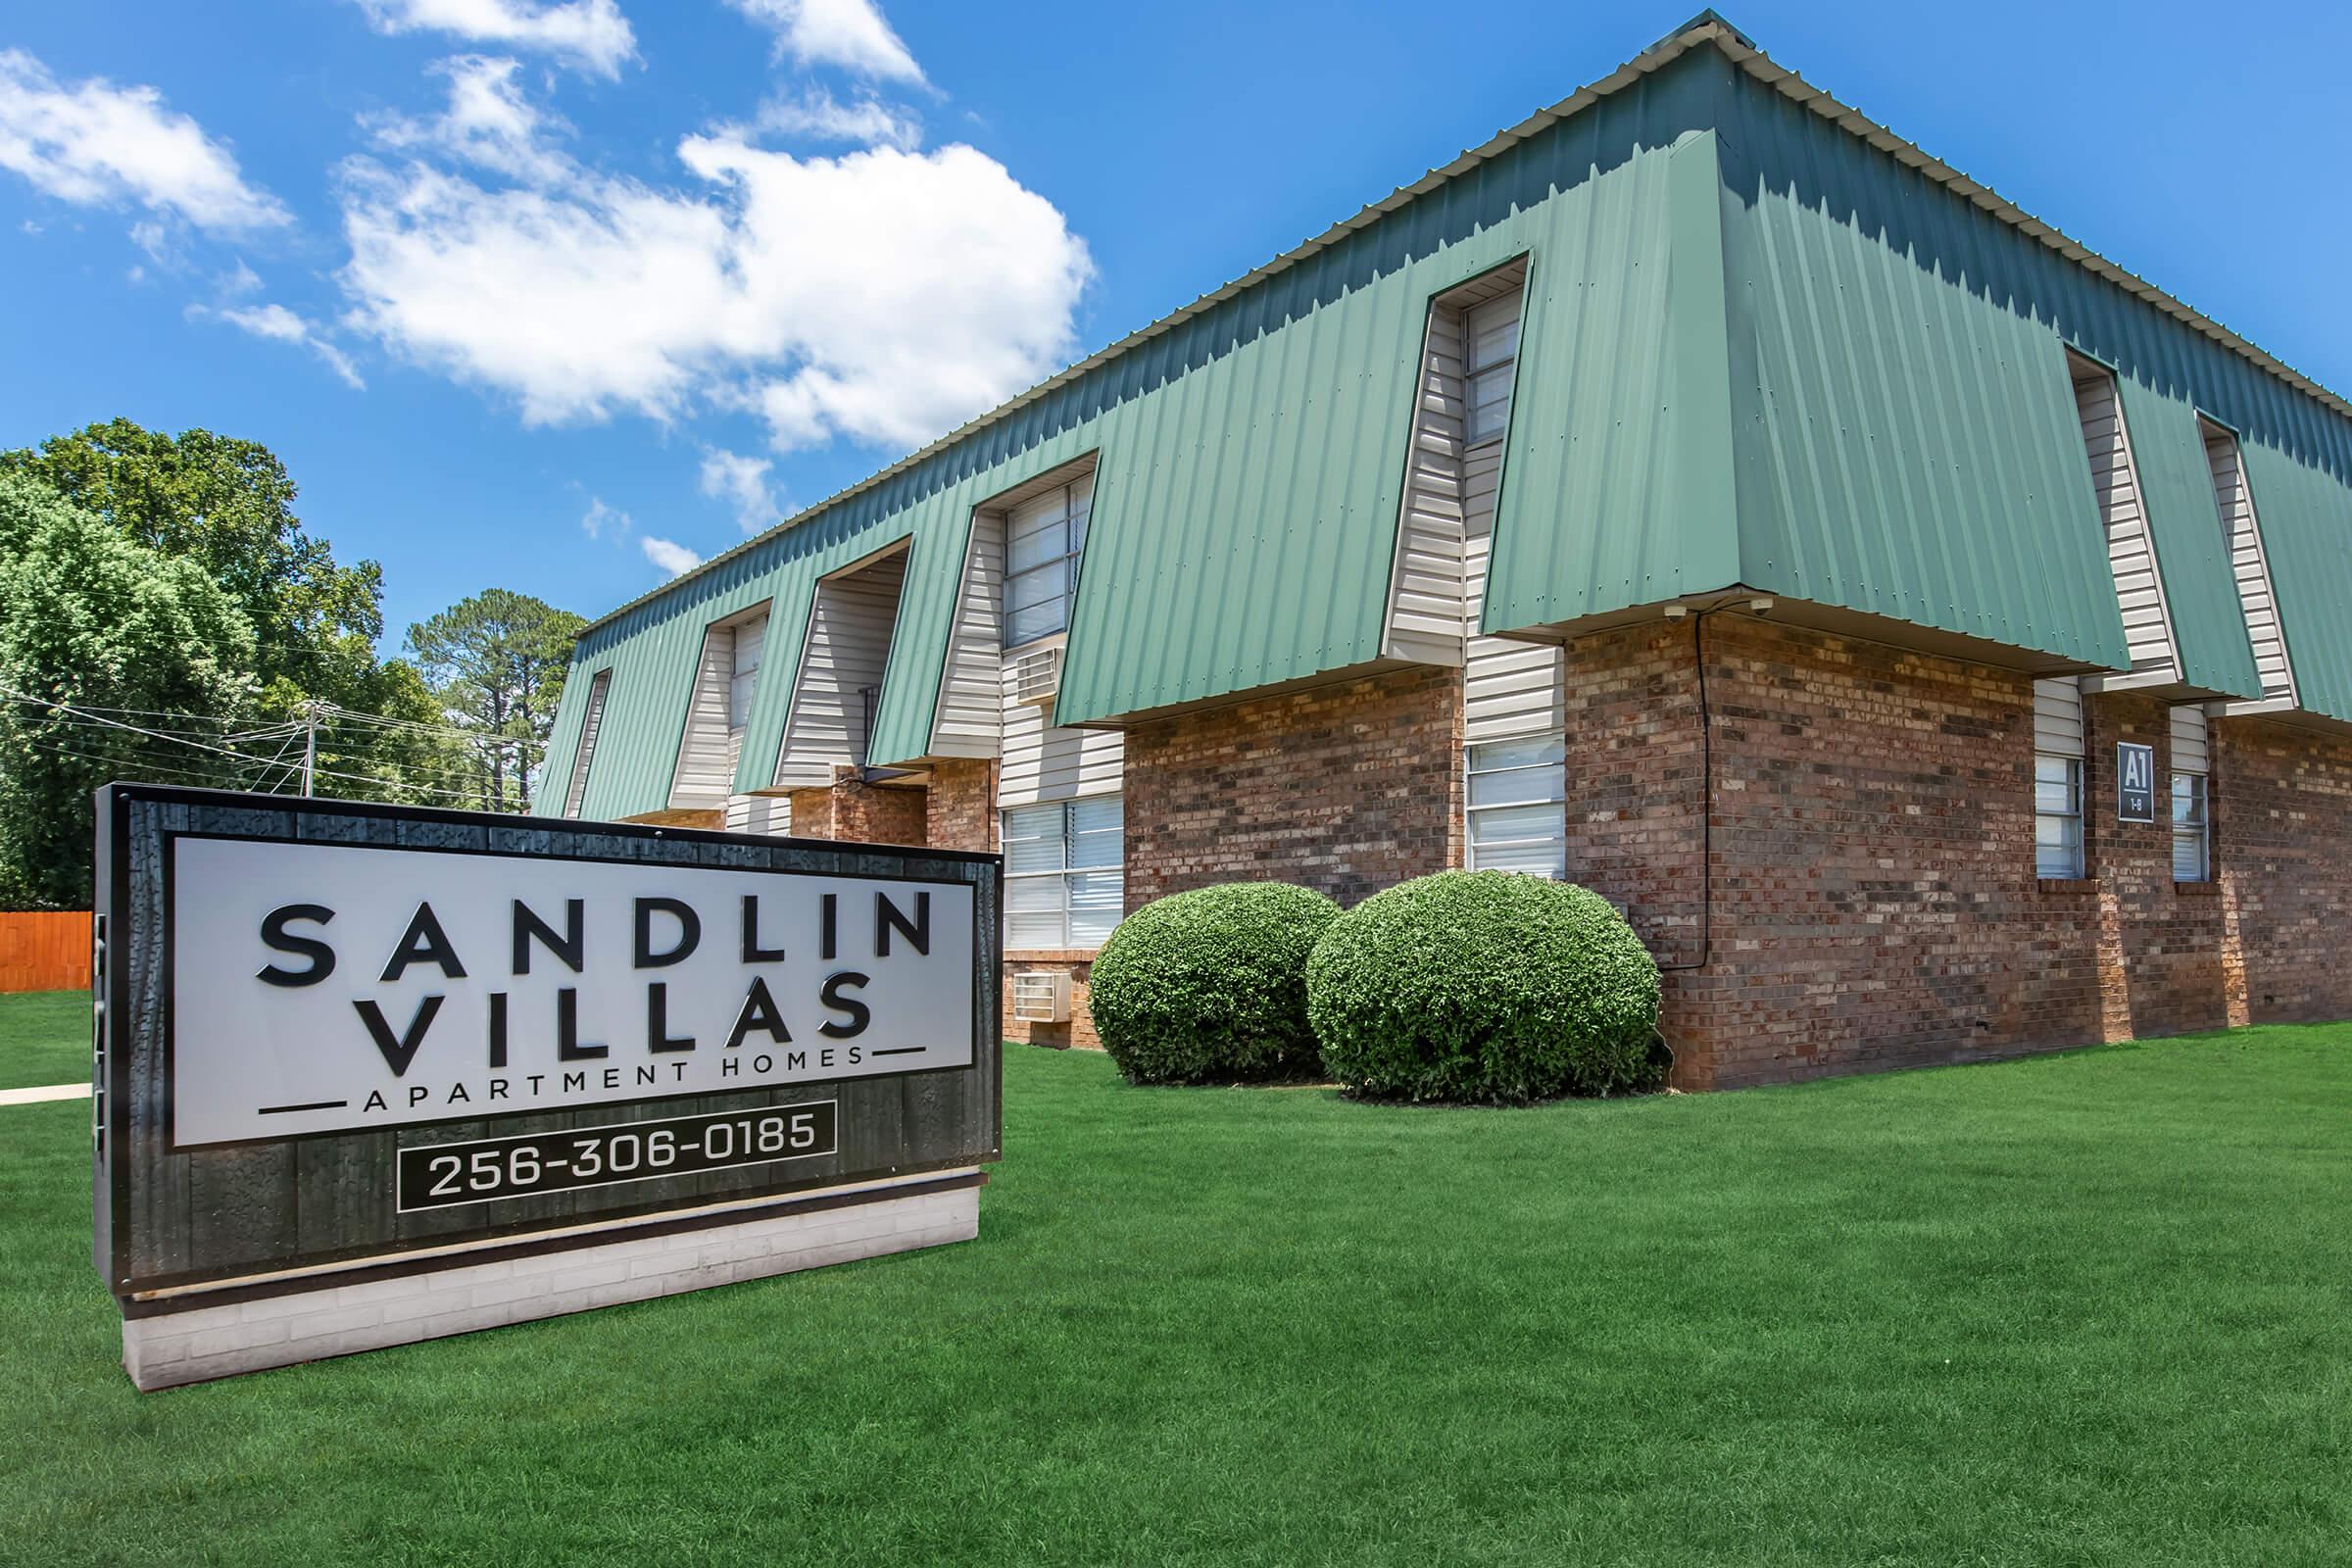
{"x": 1037, "y": 676}
{"x": 1042, "y": 997}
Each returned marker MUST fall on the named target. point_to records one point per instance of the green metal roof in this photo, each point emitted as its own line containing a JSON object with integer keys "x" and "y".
{"x": 1766, "y": 342}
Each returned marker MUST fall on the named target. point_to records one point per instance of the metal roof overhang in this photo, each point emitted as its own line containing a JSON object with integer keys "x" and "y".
{"x": 1705, "y": 30}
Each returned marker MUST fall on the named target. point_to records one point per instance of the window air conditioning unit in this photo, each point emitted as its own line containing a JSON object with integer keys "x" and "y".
{"x": 1037, "y": 676}
{"x": 1042, "y": 997}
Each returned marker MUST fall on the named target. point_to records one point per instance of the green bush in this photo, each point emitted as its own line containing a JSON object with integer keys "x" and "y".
{"x": 1485, "y": 986}
{"x": 1210, "y": 986}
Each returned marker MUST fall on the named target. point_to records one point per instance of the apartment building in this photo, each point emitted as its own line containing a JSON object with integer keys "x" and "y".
{"x": 1935, "y": 637}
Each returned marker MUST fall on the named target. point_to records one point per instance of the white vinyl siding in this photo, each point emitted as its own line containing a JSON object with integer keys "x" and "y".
{"x": 1436, "y": 591}
{"x": 842, "y": 663}
{"x": 750, "y": 635}
{"x": 1518, "y": 806}
{"x": 590, "y": 722}
{"x": 2256, "y": 594}
{"x": 970, "y": 721}
{"x": 2130, "y": 551}
{"x": 1064, "y": 872}
{"x": 1508, "y": 687}
{"x": 2192, "y": 751}
{"x": 1425, "y": 600}
{"x": 771, "y": 814}
{"x": 1044, "y": 763}
{"x": 2192, "y": 769}
{"x": 2058, "y": 779}
{"x": 705, "y": 776}
{"x": 1043, "y": 537}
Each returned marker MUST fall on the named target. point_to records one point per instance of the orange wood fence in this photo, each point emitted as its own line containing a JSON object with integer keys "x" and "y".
{"x": 44, "y": 951}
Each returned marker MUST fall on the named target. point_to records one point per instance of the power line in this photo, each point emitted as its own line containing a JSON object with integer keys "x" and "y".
{"x": 137, "y": 764}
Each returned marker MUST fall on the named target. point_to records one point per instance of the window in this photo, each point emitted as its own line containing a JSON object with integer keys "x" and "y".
{"x": 749, "y": 636}
{"x": 2058, "y": 779}
{"x": 2192, "y": 849}
{"x": 1042, "y": 539}
{"x": 2192, "y": 832}
{"x": 2057, "y": 816}
{"x": 590, "y": 722}
{"x": 1064, "y": 872}
{"x": 1492, "y": 331}
{"x": 1518, "y": 806}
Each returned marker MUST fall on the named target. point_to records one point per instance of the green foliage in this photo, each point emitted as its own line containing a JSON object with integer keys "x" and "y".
{"x": 227, "y": 505}
{"x": 2083, "y": 1309}
{"x": 499, "y": 659}
{"x": 219, "y": 513}
{"x": 94, "y": 620}
{"x": 1210, "y": 986}
{"x": 1484, "y": 986}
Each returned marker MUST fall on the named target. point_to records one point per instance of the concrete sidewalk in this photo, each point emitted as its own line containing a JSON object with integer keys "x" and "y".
{"x": 31, "y": 1096}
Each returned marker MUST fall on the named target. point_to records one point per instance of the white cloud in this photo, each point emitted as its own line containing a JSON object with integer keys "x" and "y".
{"x": 817, "y": 115}
{"x": 488, "y": 122}
{"x": 99, "y": 144}
{"x": 600, "y": 519}
{"x": 850, "y": 33}
{"x": 886, "y": 294}
{"x": 670, "y": 556}
{"x": 282, "y": 326}
{"x": 591, "y": 34}
{"x": 240, "y": 282}
{"x": 742, "y": 482}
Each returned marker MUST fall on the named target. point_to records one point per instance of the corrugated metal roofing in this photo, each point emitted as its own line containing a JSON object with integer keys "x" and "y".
{"x": 1705, "y": 30}
{"x": 1697, "y": 403}
{"x": 1907, "y": 441}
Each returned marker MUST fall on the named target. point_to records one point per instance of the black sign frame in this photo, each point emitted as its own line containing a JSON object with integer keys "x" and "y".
{"x": 167, "y": 1218}
{"x": 2135, "y": 782}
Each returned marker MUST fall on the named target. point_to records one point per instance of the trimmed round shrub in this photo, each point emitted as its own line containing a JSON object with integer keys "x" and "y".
{"x": 1485, "y": 986}
{"x": 1210, "y": 986}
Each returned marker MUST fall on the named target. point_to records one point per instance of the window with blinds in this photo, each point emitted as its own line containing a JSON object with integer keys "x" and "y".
{"x": 1518, "y": 806}
{"x": 2058, "y": 779}
{"x": 750, "y": 637}
{"x": 2193, "y": 768}
{"x": 1043, "y": 537}
{"x": 590, "y": 722}
{"x": 1065, "y": 880}
{"x": 1489, "y": 359}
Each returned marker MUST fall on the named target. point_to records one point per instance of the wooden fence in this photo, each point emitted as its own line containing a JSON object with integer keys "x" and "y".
{"x": 44, "y": 951}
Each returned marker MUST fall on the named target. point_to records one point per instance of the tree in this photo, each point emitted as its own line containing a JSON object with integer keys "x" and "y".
{"x": 95, "y": 620}
{"x": 227, "y": 505}
{"x": 497, "y": 662}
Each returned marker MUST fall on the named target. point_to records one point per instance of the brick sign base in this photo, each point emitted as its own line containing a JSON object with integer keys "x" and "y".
{"x": 218, "y": 1332}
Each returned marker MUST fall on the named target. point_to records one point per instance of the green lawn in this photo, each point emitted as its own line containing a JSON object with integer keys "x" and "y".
{"x": 2086, "y": 1308}
{"x": 44, "y": 1039}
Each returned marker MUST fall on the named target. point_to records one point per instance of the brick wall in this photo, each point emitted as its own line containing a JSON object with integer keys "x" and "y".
{"x": 1633, "y": 779}
{"x": 1347, "y": 789}
{"x": 1078, "y": 965}
{"x": 2283, "y": 817}
{"x": 962, "y": 809}
{"x": 856, "y": 811}
{"x": 1870, "y": 866}
{"x": 1875, "y": 902}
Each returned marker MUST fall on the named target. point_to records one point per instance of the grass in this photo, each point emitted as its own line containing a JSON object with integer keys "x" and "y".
{"x": 44, "y": 1038}
{"x": 2086, "y": 1308}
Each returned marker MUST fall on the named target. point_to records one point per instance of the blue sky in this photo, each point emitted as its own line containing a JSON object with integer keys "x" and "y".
{"x": 525, "y": 293}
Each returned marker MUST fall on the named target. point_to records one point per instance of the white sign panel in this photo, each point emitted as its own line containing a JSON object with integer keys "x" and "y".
{"x": 321, "y": 988}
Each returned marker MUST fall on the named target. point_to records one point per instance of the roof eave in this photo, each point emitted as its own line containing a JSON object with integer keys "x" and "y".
{"x": 1706, "y": 28}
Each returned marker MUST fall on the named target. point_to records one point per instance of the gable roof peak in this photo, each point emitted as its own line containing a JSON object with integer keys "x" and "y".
{"x": 1708, "y": 23}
